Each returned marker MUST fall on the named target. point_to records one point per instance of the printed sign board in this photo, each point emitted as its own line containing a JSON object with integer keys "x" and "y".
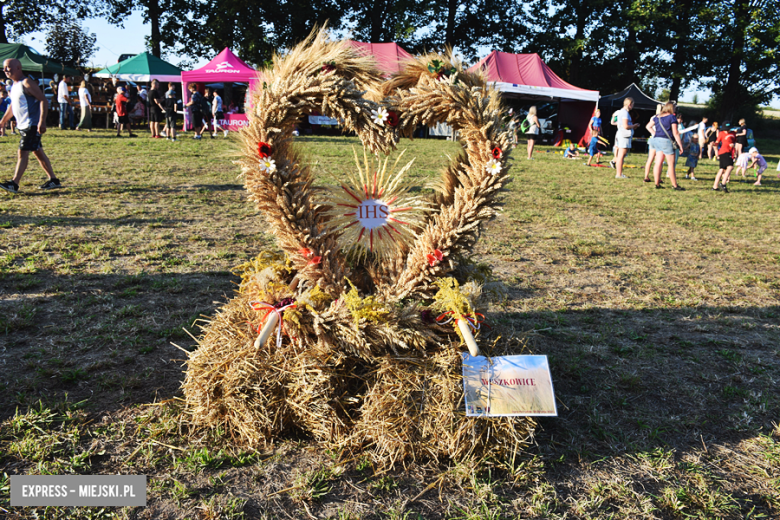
{"x": 508, "y": 386}
{"x": 322, "y": 120}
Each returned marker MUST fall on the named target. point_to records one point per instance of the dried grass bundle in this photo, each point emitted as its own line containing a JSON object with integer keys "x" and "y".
{"x": 357, "y": 365}
{"x": 231, "y": 386}
{"x": 414, "y": 410}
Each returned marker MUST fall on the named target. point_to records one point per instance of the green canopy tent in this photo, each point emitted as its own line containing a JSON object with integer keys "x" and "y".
{"x": 142, "y": 68}
{"x": 34, "y": 62}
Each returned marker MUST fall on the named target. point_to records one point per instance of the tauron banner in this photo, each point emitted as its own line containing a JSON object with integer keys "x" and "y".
{"x": 78, "y": 490}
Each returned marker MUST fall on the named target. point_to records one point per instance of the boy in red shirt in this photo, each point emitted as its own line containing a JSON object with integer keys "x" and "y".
{"x": 726, "y": 141}
{"x": 120, "y": 105}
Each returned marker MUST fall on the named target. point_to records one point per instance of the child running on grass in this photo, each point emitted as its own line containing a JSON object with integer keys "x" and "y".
{"x": 593, "y": 150}
{"x": 725, "y": 159}
{"x": 694, "y": 151}
{"x": 758, "y": 162}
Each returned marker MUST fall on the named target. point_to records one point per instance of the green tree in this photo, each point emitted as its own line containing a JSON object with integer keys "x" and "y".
{"x": 165, "y": 18}
{"x": 19, "y": 17}
{"x": 68, "y": 42}
{"x": 744, "y": 45}
{"x": 573, "y": 38}
{"x": 253, "y": 29}
{"x": 469, "y": 26}
{"x": 382, "y": 21}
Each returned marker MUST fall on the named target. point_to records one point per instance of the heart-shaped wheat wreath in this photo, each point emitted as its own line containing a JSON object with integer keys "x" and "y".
{"x": 358, "y": 359}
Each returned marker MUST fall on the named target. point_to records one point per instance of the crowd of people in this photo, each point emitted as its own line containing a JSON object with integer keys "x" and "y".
{"x": 670, "y": 139}
{"x": 24, "y": 107}
{"x": 131, "y": 106}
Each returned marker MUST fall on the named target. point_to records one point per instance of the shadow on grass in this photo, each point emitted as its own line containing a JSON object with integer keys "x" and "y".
{"x": 626, "y": 380}
{"x": 104, "y": 338}
{"x": 10, "y": 221}
{"x": 661, "y": 382}
{"x": 631, "y": 380}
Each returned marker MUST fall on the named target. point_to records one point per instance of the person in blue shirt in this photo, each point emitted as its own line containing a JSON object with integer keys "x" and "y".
{"x": 595, "y": 130}
{"x": 595, "y": 123}
{"x": 571, "y": 152}
{"x": 5, "y": 100}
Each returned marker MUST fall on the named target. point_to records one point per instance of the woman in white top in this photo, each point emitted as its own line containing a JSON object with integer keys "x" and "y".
{"x": 532, "y": 134}
{"x": 85, "y": 100}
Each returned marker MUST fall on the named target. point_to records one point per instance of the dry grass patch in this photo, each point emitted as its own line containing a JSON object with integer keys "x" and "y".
{"x": 659, "y": 311}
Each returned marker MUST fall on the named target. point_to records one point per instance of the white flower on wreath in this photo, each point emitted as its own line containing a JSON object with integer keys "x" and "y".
{"x": 379, "y": 116}
{"x": 267, "y": 165}
{"x": 493, "y": 167}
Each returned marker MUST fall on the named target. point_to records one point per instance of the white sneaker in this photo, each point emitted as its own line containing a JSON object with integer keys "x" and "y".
{"x": 226, "y": 132}
{"x": 693, "y": 178}
{"x": 214, "y": 134}
{"x": 621, "y": 176}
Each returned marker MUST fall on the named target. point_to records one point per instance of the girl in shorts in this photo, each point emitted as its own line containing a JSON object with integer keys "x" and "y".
{"x": 742, "y": 142}
{"x": 663, "y": 128}
{"x": 712, "y": 136}
{"x": 532, "y": 133}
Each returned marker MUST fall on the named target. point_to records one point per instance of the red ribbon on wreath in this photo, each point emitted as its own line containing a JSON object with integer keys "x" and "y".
{"x": 277, "y": 308}
{"x": 474, "y": 322}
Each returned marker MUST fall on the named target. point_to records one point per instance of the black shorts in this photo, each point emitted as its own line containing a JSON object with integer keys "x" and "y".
{"x": 219, "y": 115}
{"x": 155, "y": 115}
{"x": 197, "y": 119}
{"x": 532, "y": 137}
{"x": 30, "y": 139}
{"x": 725, "y": 160}
{"x": 742, "y": 140}
{"x": 123, "y": 120}
{"x": 170, "y": 119}
{"x": 712, "y": 138}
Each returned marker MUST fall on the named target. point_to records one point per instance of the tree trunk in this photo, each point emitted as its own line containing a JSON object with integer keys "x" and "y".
{"x": 680, "y": 56}
{"x": 3, "y": 37}
{"x": 631, "y": 55}
{"x": 731, "y": 90}
{"x": 377, "y": 18}
{"x": 153, "y": 12}
{"x": 449, "y": 35}
{"x": 576, "y": 57}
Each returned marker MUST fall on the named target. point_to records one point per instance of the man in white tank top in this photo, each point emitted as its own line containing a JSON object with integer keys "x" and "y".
{"x": 29, "y": 107}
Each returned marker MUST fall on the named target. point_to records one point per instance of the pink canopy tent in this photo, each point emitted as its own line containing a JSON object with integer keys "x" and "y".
{"x": 527, "y": 76}
{"x": 389, "y": 56}
{"x": 225, "y": 67}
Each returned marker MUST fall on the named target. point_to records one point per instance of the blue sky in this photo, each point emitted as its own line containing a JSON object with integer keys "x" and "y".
{"x": 113, "y": 41}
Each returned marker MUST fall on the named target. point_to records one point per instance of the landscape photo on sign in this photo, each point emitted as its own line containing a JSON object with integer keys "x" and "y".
{"x": 373, "y": 210}
{"x": 508, "y": 386}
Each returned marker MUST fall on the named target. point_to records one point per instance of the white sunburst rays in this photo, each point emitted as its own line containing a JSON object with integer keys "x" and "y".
{"x": 373, "y": 210}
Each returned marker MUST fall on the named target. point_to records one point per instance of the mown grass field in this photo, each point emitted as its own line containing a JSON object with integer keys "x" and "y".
{"x": 659, "y": 311}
